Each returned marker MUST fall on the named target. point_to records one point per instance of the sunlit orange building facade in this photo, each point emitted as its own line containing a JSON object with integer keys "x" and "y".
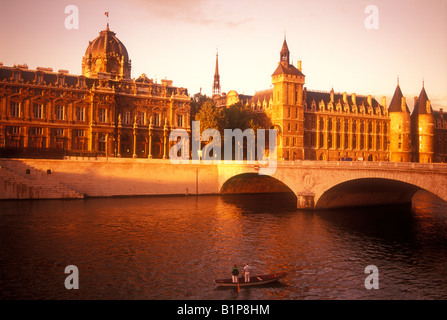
{"x": 103, "y": 112}
{"x": 326, "y": 125}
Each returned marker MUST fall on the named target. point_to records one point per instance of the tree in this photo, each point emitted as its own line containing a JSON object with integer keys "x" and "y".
{"x": 238, "y": 116}
{"x": 196, "y": 103}
{"x": 209, "y": 116}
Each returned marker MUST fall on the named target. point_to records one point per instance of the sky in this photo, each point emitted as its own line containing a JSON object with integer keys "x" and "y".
{"x": 342, "y": 44}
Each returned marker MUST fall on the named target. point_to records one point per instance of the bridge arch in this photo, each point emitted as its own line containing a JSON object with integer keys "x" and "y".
{"x": 329, "y": 184}
{"x": 367, "y": 192}
{"x": 251, "y": 182}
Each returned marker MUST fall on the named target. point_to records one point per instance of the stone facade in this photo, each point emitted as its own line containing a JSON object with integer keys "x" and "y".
{"x": 101, "y": 112}
{"x": 322, "y": 125}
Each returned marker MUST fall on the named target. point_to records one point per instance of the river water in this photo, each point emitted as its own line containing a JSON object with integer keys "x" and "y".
{"x": 166, "y": 248}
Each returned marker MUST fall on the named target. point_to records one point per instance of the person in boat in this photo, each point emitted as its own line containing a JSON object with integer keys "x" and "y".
{"x": 235, "y": 273}
{"x": 247, "y": 271}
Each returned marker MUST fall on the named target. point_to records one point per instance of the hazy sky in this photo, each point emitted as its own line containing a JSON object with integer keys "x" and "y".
{"x": 177, "y": 40}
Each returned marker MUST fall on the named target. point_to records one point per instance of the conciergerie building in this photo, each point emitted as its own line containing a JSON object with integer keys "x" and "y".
{"x": 103, "y": 112}
{"x": 318, "y": 125}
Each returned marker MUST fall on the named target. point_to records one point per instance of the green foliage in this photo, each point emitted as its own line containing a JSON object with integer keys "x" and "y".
{"x": 209, "y": 116}
{"x": 236, "y": 116}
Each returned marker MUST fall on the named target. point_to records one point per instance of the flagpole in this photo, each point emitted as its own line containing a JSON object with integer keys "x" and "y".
{"x": 107, "y": 15}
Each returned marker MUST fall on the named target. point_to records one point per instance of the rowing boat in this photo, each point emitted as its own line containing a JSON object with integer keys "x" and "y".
{"x": 254, "y": 280}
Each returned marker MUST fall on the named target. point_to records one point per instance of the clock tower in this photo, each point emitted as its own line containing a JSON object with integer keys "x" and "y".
{"x": 288, "y": 112}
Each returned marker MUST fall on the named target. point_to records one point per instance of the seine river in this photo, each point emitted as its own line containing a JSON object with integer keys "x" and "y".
{"x": 166, "y": 248}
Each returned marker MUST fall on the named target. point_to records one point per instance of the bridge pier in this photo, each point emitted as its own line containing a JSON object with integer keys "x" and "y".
{"x": 305, "y": 200}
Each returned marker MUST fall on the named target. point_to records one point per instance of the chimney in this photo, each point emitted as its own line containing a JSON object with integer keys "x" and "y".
{"x": 353, "y": 99}
{"x": 370, "y": 100}
{"x": 428, "y": 106}
{"x": 345, "y": 97}
{"x": 299, "y": 65}
{"x": 403, "y": 103}
{"x": 384, "y": 101}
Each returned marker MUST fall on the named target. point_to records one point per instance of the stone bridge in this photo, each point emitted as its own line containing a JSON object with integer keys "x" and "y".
{"x": 331, "y": 184}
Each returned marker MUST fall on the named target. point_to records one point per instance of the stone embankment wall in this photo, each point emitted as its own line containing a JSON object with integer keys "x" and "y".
{"x": 77, "y": 178}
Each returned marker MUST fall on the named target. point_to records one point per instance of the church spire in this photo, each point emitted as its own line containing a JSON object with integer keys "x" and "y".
{"x": 216, "y": 84}
{"x": 285, "y": 54}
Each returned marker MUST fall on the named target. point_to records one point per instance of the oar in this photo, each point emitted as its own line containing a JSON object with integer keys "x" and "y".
{"x": 238, "y": 289}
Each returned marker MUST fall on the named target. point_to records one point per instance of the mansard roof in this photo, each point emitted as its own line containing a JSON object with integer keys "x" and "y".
{"x": 262, "y": 95}
{"x": 325, "y": 97}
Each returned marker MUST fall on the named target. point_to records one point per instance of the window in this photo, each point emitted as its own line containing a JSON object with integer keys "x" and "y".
{"x": 141, "y": 118}
{"x": 38, "y": 111}
{"x": 80, "y": 114}
{"x": 39, "y": 78}
{"x": 126, "y": 119}
{"x": 60, "y": 114}
{"x": 58, "y": 132}
{"x": 180, "y": 120}
{"x": 289, "y": 127}
{"x": 79, "y": 133}
{"x": 102, "y": 115}
{"x": 36, "y": 131}
{"x": 102, "y": 143}
{"x": 14, "y": 130}
{"x": 156, "y": 119}
{"x": 15, "y": 109}
{"x": 313, "y": 139}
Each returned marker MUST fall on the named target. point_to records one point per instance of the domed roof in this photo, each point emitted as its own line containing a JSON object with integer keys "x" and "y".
{"x": 107, "y": 43}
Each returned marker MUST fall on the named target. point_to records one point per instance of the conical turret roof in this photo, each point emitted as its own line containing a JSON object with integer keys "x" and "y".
{"x": 396, "y": 101}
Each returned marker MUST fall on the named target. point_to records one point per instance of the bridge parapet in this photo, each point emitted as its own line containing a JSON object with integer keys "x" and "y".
{"x": 318, "y": 184}
{"x": 366, "y": 164}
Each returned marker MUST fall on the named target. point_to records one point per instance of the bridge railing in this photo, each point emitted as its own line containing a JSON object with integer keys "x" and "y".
{"x": 368, "y": 164}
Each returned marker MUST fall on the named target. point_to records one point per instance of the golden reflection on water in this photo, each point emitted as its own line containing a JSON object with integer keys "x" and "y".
{"x": 174, "y": 248}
